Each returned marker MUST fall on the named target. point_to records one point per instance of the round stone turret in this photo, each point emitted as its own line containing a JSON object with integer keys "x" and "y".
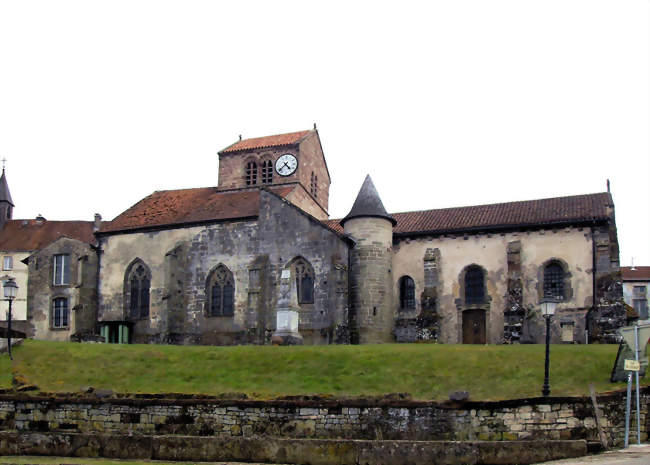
{"x": 371, "y": 312}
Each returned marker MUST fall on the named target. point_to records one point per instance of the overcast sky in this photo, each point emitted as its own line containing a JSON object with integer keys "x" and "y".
{"x": 443, "y": 103}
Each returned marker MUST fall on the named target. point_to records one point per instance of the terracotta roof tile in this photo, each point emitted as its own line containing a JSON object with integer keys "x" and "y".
{"x": 174, "y": 207}
{"x": 267, "y": 141}
{"x": 28, "y": 235}
{"x": 639, "y": 273}
{"x": 559, "y": 210}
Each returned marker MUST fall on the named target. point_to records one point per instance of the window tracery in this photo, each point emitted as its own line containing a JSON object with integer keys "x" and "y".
{"x": 137, "y": 287}
{"x": 221, "y": 292}
{"x": 304, "y": 281}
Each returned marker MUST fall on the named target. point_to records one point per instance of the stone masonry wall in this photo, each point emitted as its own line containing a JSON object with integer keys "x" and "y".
{"x": 371, "y": 293}
{"x": 525, "y": 419}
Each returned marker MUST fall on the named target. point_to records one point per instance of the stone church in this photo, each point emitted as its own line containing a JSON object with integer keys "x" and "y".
{"x": 208, "y": 265}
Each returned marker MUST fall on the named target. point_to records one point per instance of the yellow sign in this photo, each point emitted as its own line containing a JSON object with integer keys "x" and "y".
{"x": 632, "y": 365}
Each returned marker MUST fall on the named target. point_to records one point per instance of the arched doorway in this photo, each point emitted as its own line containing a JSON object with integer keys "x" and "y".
{"x": 474, "y": 326}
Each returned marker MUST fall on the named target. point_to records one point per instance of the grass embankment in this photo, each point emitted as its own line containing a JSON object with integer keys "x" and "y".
{"x": 426, "y": 371}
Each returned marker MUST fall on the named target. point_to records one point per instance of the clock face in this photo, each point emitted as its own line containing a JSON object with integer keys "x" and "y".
{"x": 286, "y": 164}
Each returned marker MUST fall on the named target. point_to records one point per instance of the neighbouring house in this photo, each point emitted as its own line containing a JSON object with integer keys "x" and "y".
{"x": 636, "y": 282}
{"x": 46, "y": 259}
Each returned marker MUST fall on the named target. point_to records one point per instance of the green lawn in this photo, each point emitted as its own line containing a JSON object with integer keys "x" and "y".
{"x": 425, "y": 371}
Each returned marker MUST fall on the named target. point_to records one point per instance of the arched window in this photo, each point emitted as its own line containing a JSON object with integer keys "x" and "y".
{"x": 554, "y": 281}
{"x": 251, "y": 173}
{"x": 60, "y": 313}
{"x": 314, "y": 184}
{"x": 221, "y": 292}
{"x": 267, "y": 172}
{"x": 304, "y": 281}
{"x": 137, "y": 284}
{"x": 474, "y": 285}
{"x": 406, "y": 292}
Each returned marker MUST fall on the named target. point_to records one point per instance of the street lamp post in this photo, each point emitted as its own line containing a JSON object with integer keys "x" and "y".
{"x": 548, "y": 309}
{"x": 10, "y": 290}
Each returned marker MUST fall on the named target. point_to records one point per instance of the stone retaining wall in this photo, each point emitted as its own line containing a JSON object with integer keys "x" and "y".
{"x": 523, "y": 419}
{"x": 293, "y": 451}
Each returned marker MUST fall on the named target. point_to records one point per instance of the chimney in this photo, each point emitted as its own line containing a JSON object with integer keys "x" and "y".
{"x": 98, "y": 222}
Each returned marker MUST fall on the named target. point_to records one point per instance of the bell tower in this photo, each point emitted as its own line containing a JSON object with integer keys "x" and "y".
{"x": 371, "y": 295}
{"x": 6, "y": 204}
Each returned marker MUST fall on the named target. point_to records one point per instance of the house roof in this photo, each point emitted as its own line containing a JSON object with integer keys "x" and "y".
{"x": 29, "y": 235}
{"x": 368, "y": 204}
{"x": 636, "y": 273}
{"x": 185, "y": 206}
{"x": 267, "y": 141}
{"x": 553, "y": 211}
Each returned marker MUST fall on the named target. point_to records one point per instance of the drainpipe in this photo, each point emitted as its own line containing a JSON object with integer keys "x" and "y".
{"x": 593, "y": 278}
{"x": 98, "y": 251}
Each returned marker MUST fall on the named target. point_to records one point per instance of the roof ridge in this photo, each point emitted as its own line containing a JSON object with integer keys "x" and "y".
{"x": 245, "y": 143}
{"x": 500, "y": 203}
{"x": 20, "y": 220}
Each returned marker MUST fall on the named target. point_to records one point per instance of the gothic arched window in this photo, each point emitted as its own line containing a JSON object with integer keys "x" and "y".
{"x": 554, "y": 280}
{"x": 221, "y": 292}
{"x": 304, "y": 281}
{"x": 406, "y": 292}
{"x": 267, "y": 172}
{"x": 137, "y": 284}
{"x": 251, "y": 173}
{"x": 474, "y": 285}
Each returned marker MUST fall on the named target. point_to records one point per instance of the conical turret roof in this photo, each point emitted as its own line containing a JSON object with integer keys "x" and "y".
{"x": 368, "y": 204}
{"x": 5, "y": 196}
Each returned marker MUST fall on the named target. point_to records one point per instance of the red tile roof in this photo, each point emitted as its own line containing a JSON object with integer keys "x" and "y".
{"x": 559, "y": 210}
{"x": 267, "y": 141}
{"x": 639, "y": 273}
{"x": 175, "y": 207}
{"x": 29, "y": 235}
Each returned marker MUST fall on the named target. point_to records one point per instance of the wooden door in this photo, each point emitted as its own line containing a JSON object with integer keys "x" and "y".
{"x": 474, "y": 326}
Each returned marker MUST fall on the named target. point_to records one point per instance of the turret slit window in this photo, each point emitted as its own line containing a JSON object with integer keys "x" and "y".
{"x": 221, "y": 292}
{"x": 61, "y": 270}
{"x": 406, "y": 293}
{"x": 554, "y": 281}
{"x": 137, "y": 286}
{"x": 314, "y": 184}
{"x": 304, "y": 281}
{"x": 267, "y": 172}
{"x": 474, "y": 285}
{"x": 60, "y": 313}
{"x": 251, "y": 173}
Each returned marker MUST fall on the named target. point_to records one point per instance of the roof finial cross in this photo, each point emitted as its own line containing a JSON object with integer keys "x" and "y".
{"x": 4, "y": 162}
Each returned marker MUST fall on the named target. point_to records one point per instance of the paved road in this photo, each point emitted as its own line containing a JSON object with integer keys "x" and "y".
{"x": 634, "y": 455}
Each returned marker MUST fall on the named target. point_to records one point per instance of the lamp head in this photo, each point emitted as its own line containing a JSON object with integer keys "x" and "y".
{"x": 10, "y": 289}
{"x": 548, "y": 305}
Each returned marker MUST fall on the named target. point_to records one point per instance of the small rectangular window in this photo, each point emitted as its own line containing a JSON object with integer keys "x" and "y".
{"x": 8, "y": 263}
{"x": 567, "y": 332}
{"x": 61, "y": 269}
{"x": 641, "y": 308}
{"x": 253, "y": 278}
{"x": 639, "y": 291}
{"x": 60, "y": 313}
